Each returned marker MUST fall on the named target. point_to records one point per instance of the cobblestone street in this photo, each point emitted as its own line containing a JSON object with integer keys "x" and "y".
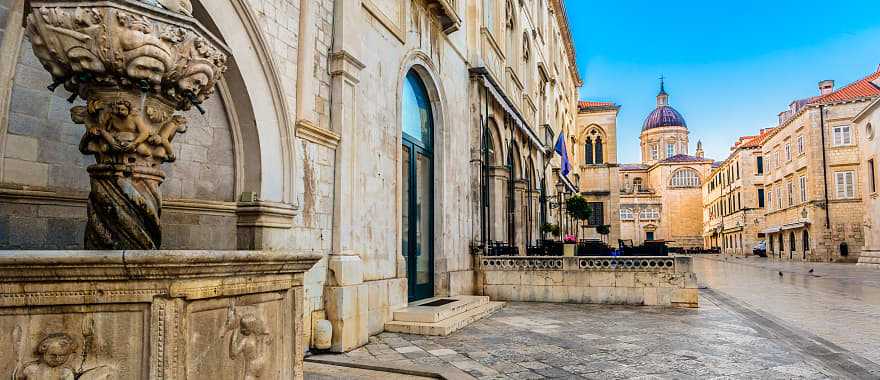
{"x": 837, "y": 302}
{"x": 752, "y": 324}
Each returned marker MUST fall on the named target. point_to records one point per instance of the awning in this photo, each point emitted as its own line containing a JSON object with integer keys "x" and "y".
{"x": 732, "y": 229}
{"x": 568, "y": 184}
{"x": 771, "y": 230}
{"x": 792, "y": 226}
{"x": 499, "y": 96}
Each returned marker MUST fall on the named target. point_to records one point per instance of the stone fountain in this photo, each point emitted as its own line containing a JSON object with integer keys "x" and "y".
{"x": 124, "y": 309}
{"x": 135, "y": 63}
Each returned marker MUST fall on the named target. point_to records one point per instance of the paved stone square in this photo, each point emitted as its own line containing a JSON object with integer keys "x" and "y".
{"x": 536, "y": 341}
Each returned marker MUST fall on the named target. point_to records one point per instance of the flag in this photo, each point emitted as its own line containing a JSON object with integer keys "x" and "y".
{"x": 563, "y": 154}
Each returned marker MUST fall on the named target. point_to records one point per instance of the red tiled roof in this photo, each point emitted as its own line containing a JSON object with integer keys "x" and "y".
{"x": 587, "y": 104}
{"x": 757, "y": 141}
{"x": 862, "y": 88}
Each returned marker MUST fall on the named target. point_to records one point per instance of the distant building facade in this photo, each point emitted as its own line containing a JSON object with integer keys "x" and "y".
{"x": 661, "y": 197}
{"x": 595, "y": 153}
{"x": 867, "y": 123}
{"x": 813, "y": 170}
{"x": 734, "y": 199}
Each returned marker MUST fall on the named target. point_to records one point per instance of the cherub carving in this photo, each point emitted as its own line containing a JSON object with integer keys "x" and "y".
{"x": 129, "y": 128}
{"x": 96, "y": 140}
{"x": 249, "y": 341}
{"x": 162, "y": 140}
{"x": 53, "y": 352}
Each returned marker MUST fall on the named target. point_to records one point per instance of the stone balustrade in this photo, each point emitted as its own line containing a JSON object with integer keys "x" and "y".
{"x": 152, "y": 314}
{"x": 652, "y": 281}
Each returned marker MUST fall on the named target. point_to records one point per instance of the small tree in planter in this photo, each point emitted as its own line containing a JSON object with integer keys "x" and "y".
{"x": 604, "y": 230}
{"x": 578, "y": 208}
{"x": 550, "y": 228}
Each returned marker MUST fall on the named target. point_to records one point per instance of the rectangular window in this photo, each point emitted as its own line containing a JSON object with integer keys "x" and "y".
{"x": 787, "y": 152}
{"x": 800, "y": 144}
{"x": 872, "y": 179}
{"x": 842, "y": 135}
{"x": 760, "y": 198}
{"x": 778, "y": 160}
{"x": 803, "y": 185}
{"x": 760, "y": 165}
{"x": 670, "y": 150}
{"x": 846, "y": 185}
{"x": 655, "y": 154}
{"x": 790, "y": 193}
{"x": 597, "y": 217}
{"x": 779, "y": 197}
{"x": 769, "y": 199}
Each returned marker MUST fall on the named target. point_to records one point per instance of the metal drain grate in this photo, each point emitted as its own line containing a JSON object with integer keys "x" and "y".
{"x": 439, "y": 302}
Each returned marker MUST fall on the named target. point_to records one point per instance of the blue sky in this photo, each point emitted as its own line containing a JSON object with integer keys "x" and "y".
{"x": 730, "y": 66}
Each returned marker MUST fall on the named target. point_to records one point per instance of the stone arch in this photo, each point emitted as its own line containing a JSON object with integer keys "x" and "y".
{"x": 263, "y": 132}
{"x": 494, "y": 135}
{"x": 680, "y": 178}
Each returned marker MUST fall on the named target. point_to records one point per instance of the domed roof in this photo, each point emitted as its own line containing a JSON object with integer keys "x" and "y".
{"x": 664, "y": 116}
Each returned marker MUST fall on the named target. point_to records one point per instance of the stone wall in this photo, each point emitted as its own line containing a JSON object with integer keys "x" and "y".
{"x": 44, "y": 182}
{"x": 649, "y": 281}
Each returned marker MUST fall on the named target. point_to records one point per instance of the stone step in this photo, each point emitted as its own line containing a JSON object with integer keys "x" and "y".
{"x": 446, "y": 326}
{"x": 450, "y": 307}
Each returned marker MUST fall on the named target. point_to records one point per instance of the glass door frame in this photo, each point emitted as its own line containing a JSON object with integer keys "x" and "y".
{"x": 416, "y": 291}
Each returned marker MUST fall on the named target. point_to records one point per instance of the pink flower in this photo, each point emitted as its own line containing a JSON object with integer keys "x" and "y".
{"x": 569, "y": 239}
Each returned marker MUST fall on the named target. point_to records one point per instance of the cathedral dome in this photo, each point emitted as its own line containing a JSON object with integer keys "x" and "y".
{"x": 663, "y": 115}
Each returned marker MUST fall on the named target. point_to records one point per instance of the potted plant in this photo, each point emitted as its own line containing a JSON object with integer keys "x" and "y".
{"x": 570, "y": 245}
{"x": 550, "y": 228}
{"x": 604, "y": 230}
{"x": 578, "y": 209}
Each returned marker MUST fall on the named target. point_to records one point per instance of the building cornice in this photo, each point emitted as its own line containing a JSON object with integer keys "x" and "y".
{"x": 562, "y": 20}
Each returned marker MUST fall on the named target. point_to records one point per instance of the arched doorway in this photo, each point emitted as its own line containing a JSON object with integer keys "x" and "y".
{"x": 791, "y": 245}
{"x": 806, "y": 243}
{"x": 417, "y": 168}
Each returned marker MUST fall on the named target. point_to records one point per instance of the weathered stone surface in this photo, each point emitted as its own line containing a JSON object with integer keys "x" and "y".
{"x": 152, "y": 314}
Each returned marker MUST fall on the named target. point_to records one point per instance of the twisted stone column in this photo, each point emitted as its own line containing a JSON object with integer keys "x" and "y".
{"x": 135, "y": 64}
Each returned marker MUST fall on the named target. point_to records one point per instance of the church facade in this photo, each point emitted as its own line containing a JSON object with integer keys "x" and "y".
{"x": 660, "y": 197}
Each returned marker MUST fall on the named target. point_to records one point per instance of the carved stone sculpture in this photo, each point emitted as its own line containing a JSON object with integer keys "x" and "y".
{"x": 135, "y": 64}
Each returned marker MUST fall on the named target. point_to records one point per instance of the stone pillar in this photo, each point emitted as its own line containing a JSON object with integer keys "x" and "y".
{"x": 346, "y": 296}
{"x": 498, "y": 202}
{"x": 520, "y": 190}
{"x": 135, "y": 64}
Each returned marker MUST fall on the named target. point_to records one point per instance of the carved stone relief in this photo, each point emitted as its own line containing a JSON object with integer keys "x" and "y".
{"x": 135, "y": 67}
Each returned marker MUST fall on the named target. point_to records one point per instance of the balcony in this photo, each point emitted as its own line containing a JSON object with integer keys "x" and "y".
{"x": 445, "y": 12}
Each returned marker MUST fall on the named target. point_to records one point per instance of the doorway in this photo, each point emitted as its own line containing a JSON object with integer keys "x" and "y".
{"x": 417, "y": 207}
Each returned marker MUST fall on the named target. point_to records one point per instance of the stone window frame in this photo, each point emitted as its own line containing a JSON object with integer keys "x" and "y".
{"x": 790, "y": 185}
{"x": 681, "y": 179}
{"x": 801, "y": 144}
{"x": 802, "y": 182}
{"x": 655, "y": 152}
{"x": 788, "y": 154}
{"x": 845, "y": 184}
{"x": 627, "y": 214}
{"x": 670, "y": 149}
{"x": 840, "y": 138}
{"x": 649, "y": 213}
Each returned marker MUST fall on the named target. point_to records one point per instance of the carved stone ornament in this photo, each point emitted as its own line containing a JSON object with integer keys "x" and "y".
{"x": 135, "y": 63}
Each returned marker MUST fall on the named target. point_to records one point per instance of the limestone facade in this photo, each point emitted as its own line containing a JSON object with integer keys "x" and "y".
{"x": 595, "y": 153}
{"x": 813, "y": 176}
{"x": 867, "y": 123}
{"x": 661, "y": 198}
{"x": 300, "y": 148}
{"x": 734, "y": 199}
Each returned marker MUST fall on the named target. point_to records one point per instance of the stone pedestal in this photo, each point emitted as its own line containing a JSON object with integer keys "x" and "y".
{"x": 347, "y": 302}
{"x": 152, "y": 314}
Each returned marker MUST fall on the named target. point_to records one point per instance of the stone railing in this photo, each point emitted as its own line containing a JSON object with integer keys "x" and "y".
{"x": 152, "y": 314}
{"x": 655, "y": 281}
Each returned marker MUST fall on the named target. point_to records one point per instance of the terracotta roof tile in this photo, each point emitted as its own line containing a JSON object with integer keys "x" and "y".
{"x": 587, "y": 104}
{"x": 862, "y": 88}
{"x": 758, "y": 140}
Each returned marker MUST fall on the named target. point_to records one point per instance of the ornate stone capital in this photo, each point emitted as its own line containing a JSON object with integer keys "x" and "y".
{"x": 135, "y": 63}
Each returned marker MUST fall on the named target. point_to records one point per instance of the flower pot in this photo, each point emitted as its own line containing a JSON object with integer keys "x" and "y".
{"x": 569, "y": 249}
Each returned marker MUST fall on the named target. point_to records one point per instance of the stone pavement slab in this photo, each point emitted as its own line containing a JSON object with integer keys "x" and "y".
{"x": 537, "y": 341}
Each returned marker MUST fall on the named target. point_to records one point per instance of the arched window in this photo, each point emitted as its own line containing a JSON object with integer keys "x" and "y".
{"x": 806, "y": 241}
{"x": 626, "y": 214}
{"x": 599, "y": 154}
{"x": 417, "y": 117}
{"x": 685, "y": 178}
{"x": 649, "y": 213}
{"x": 588, "y": 151}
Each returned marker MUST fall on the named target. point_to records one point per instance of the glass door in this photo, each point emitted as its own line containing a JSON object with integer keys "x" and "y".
{"x": 417, "y": 168}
